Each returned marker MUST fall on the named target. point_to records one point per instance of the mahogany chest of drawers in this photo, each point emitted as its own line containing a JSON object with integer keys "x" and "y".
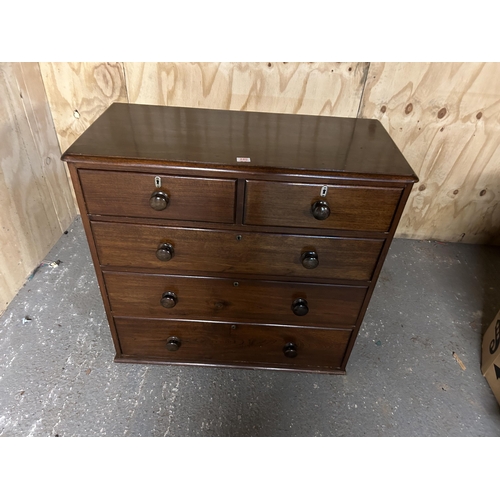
{"x": 232, "y": 238}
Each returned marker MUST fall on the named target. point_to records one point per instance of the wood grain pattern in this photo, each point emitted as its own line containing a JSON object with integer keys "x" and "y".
{"x": 306, "y": 88}
{"x": 218, "y": 299}
{"x": 235, "y": 344}
{"x": 444, "y": 118}
{"x": 53, "y": 170}
{"x": 195, "y": 250}
{"x": 128, "y": 194}
{"x": 34, "y": 191}
{"x": 87, "y": 88}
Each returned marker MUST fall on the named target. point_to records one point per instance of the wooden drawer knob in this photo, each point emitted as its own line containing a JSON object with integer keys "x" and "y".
{"x": 320, "y": 210}
{"x": 159, "y": 200}
{"x": 165, "y": 252}
{"x": 173, "y": 343}
{"x": 290, "y": 350}
{"x": 309, "y": 260}
{"x": 168, "y": 300}
{"x": 299, "y": 307}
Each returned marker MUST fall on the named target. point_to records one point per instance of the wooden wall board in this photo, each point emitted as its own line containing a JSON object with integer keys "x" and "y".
{"x": 53, "y": 170}
{"x": 304, "y": 88}
{"x": 78, "y": 93}
{"x": 445, "y": 117}
{"x": 34, "y": 193}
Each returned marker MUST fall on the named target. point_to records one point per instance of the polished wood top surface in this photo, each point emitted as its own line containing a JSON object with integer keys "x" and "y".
{"x": 290, "y": 142}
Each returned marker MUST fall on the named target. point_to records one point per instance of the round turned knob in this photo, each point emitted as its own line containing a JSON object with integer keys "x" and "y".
{"x": 299, "y": 307}
{"x": 309, "y": 260}
{"x": 173, "y": 343}
{"x": 159, "y": 200}
{"x": 320, "y": 210}
{"x": 165, "y": 252}
{"x": 168, "y": 300}
{"x": 290, "y": 350}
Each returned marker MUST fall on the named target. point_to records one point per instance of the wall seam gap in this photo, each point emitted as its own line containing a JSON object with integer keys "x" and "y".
{"x": 363, "y": 90}
{"x": 125, "y": 81}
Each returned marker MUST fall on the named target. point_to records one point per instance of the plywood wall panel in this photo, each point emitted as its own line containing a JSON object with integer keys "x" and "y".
{"x": 306, "y": 88}
{"x": 33, "y": 192}
{"x": 148, "y": 83}
{"x": 445, "y": 117}
{"x": 87, "y": 88}
{"x": 52, "y": 169}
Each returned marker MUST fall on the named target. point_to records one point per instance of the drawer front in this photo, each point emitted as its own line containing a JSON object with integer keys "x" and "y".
{"x": 219, "y": 343}
{"x": 187, "y": 198}
{"x": 196, "y": 250}
{"x": 246, "y": 301}
{"x": 351, "y": 207}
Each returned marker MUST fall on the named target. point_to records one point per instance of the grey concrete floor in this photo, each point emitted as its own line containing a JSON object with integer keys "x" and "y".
{"x": 58, "y": 378}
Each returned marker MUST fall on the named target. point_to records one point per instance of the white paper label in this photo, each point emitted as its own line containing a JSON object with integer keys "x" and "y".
{"x": 243, "y": 159}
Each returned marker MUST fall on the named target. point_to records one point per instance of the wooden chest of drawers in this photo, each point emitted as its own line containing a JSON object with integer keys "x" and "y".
{"x": 231, "y": 238}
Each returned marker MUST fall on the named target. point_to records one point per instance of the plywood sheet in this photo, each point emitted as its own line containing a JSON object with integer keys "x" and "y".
{"x": 78, "y": 93}
{"x": 444, "y": 117}
{"x": 54, "y": 177}
{"x": 306, "y": 88}
{"x": 33, "y": 210}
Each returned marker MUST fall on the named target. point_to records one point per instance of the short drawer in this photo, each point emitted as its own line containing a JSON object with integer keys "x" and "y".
{"x": 221, "y": 299}
{"x": 347, "y": 207}
{"x": 232, "y": 344}
{"x": 196, "y": 250}
{"x": 180, "y": 198}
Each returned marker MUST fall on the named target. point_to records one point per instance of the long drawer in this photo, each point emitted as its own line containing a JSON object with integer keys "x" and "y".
{"x": 221, "y": 299}
{"x": 233, "y": 344}
{"x": 168, "y": 249}
{"x": 130, "y": 194}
